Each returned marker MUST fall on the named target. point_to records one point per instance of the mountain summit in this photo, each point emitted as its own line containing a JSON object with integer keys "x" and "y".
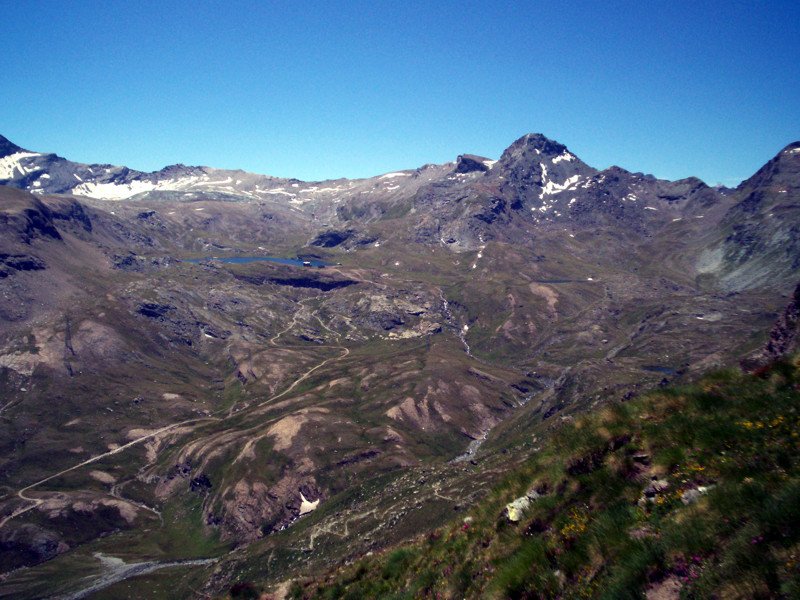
{"x": 7, "y": 147}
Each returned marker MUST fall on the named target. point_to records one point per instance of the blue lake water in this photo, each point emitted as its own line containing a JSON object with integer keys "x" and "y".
{"x": 660, "y": 369}
{"x": 248, "y": 259}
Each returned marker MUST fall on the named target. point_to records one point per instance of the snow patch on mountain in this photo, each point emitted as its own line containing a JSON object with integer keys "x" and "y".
{"x": 12, "y": 162}
{"x": 275, "y": 191}
{"x": 306, "y": 506}
{"x": 551, "y": 187}
{"x": 227, "y": 180}
{"x": 123, "y": 190}
{"x": 113, "y": 191}
{"x": 566, "y": 156}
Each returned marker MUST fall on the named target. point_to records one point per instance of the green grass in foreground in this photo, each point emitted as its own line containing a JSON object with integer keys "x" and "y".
{"x": 589, "y": 536}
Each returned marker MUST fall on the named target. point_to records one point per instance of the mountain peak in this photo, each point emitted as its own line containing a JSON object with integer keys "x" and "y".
{"x": 782, "y": 172}
{"x": 470, "y": 162}
{"x": 536, "y": 159}
{"x": 793, "y": 148}
{"x": 539, "y": 143}
{"x": 7, "y": 147}
{"x": 533, "y": 148}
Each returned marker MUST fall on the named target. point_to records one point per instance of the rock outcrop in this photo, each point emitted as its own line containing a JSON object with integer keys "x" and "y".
{"x": 784, "y": 339}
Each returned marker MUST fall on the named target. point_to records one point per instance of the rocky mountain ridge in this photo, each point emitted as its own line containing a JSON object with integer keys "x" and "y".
{"x": 535, "y": 174}
{"x": 536, "y": 184}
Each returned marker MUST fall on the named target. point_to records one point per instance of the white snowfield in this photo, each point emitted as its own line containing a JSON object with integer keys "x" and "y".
{"x": 113, "y": 191}
{"x": 279, "y": 190}
{"x": 551, "y": 187}
{"x": 565, "y": 157}
{"x": 391, "y": 175}
{"x": 13, "y": 162}
{"x": 123, "y": 191}
{"x": 225, "y": 181}
{"x": 328, "y": 189}
{"x": 306, "y": 506}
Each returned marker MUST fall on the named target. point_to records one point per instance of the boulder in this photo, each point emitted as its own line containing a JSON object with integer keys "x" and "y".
{"x": 516, "y": 510}
{"x": 693, "y": 495}
{"x": 651, "y": 491}
{"x": 656, "y": 487}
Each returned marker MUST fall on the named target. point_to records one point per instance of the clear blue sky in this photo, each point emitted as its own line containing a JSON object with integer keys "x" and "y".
{"x": 329, "y": 89}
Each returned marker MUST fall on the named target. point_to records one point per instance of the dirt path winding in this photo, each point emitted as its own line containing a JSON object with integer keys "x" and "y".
{"x": 34, "y": 502}
{"x": 38, "y": 501}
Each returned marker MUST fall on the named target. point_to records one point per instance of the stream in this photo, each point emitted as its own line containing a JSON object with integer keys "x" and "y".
{"x": 116, "y": 570}
{"x": 473, "y": 446}
{"x": 471, "y": 449}
{"x": 460, "y": 331}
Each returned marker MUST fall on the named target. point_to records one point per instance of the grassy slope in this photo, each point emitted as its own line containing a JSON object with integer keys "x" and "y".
{"x": 588, "y": 536}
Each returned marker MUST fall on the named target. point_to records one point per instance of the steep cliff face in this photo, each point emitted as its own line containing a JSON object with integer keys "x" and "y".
{"x": 784, "y": 338}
